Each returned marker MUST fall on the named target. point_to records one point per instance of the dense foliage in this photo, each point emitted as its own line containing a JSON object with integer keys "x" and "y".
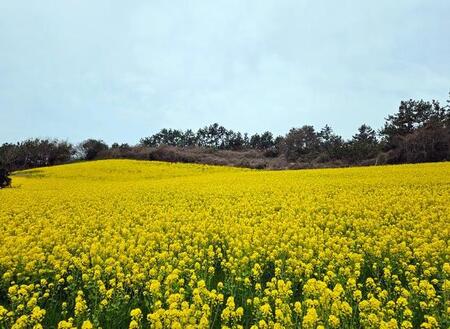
{"x": 138, "y": 244}
{"x": 35, "y": 153}
{"x": 5, "y": 180}
{"x": 418, "y": 132}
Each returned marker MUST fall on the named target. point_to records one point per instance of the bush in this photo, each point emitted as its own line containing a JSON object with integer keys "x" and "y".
{"x": 5, "y": 181}
{"x": 90, "y": 148}
{"x": 171, "y": 154}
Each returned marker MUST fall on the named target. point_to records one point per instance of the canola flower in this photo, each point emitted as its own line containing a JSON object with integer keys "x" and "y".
{"x": 133, "y": 244}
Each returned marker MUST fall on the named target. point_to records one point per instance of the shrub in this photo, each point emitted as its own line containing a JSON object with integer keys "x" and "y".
{"x": 5, "y": 180}
{"x": 90, "y": 148}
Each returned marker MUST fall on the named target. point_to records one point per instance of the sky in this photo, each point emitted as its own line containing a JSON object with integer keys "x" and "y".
{"x": 122, "y": 70}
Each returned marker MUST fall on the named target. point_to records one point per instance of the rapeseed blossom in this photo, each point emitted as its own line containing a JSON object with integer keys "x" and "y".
{"x": 136, "y": 244}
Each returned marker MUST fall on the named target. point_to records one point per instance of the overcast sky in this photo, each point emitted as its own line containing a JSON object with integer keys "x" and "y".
{"x": 121, "y": 70}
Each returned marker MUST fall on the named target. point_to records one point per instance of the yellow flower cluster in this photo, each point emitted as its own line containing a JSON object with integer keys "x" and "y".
{"x": 135, "y": 244}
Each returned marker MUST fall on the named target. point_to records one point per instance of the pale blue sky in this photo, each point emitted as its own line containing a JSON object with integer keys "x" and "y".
{"x": 121, "y": 70}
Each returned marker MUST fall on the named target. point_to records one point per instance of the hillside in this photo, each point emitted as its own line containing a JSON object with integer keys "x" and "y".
{"x": 124, "y": 243}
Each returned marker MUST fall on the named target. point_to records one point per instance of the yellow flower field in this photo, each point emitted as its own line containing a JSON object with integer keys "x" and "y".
{"x": 134, "y": 244}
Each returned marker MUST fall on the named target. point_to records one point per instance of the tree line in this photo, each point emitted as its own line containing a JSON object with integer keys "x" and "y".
{"x": 418, "y": 132}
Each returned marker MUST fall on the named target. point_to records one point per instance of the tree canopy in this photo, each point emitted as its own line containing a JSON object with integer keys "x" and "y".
{"x": 418, "y": 131}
